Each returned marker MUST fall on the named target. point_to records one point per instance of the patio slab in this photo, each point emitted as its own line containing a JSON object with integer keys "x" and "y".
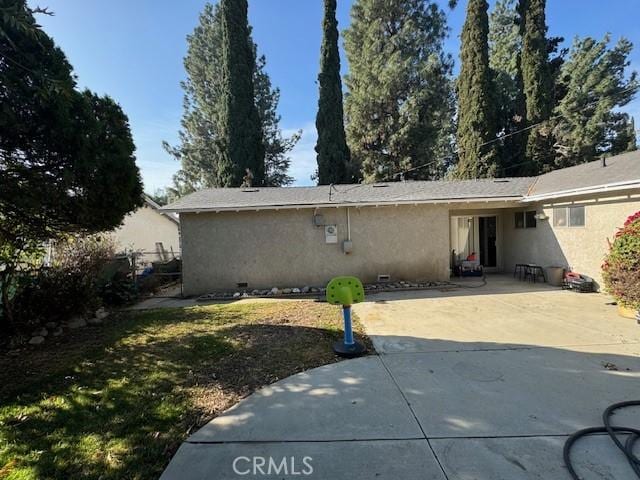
{"x": 352, "y": 400}
{"x": 502, "y": 314}
{"x": 594, "y": 458}
{"x": 381, "y": 460}
{"x": 541, "y": 391}
{"x": 472, "y": 384}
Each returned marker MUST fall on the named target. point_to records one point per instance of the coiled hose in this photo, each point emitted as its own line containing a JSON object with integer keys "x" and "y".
{"x": 613, "y": 431}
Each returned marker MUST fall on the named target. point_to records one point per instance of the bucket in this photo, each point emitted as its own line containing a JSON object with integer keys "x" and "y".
{"x": 555, "y": 276}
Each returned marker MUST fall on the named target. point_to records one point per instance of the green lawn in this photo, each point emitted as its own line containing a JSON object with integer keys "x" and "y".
{"x": 115, "y": 402}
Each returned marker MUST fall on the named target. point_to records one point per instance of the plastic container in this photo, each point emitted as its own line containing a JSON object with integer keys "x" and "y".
{"x": 555, "y": 276}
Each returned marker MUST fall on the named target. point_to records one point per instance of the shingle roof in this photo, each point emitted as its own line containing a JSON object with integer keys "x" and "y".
{"x": 621, "y": 168}
{"x": 405, "y": 192}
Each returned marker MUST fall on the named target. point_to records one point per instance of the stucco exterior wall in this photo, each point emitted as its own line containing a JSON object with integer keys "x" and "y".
{"x": 283, "y": 247}
{"x": 143, "y": 228}
{"x": 580, "y": 248}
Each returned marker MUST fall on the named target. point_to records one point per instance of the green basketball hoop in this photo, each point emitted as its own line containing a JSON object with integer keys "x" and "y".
{"x": 346, "y": 291}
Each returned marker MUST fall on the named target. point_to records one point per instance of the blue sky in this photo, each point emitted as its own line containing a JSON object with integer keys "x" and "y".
{"x": 133, "y": 50}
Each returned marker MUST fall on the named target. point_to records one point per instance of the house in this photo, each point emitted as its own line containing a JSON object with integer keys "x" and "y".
{"x": 152, "y": 232}
{"x": 294, "y": 236}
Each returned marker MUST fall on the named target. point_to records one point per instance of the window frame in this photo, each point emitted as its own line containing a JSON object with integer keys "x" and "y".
{"x": 567, "y": 210}
{"x": 525, "y": 225}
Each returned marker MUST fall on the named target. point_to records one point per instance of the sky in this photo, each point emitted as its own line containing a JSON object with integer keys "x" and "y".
{"x": 133, "y": 50}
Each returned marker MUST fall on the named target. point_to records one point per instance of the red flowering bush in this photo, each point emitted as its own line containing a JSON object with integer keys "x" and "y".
{"x": 621, "y": 268}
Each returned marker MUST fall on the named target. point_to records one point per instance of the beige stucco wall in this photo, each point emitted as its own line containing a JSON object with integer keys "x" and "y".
{"x": 580, "y": 248}
{"x": 283, "y": 248}
{"x": 143, "y": 228}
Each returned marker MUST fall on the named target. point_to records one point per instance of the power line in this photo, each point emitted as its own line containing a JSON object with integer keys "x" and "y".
{"x": 502, "y": 137}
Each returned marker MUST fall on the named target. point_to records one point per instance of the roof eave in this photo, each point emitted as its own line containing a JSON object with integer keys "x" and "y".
{"x": 511, "y": 198}
{"x": 610, "y": 187}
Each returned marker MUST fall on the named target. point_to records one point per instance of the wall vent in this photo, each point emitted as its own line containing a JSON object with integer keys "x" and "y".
{"x": 384, "y": 277}
{"x": 242, "y": 284}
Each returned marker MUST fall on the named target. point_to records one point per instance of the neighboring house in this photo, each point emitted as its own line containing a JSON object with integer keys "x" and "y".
{"x": 151, "y": 231}
{"x": 295, "y": 236}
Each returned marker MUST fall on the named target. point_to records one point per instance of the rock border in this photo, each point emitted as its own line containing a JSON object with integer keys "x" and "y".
{"x": 313, "y": 292}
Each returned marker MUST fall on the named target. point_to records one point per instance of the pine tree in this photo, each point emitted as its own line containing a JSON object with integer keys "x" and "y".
{"x": 476, "y": 107}
{"x": 241, "y": 132}
{"x": 537, "y": 79}
{"x": 200, "y": 147}
{"x": 505, "y": 46}
{"x": 587, "y": 120}
{"x": 399, "y": 101}
{"x": 333, "y": 155}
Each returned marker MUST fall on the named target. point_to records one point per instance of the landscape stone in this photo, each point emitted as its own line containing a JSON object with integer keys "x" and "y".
{"x": 37, "y": 340}
{"x": 275, "y": 291}
{"x": 295, "y": 290}
{"x": 41, "y": 332}
{"x": 94, "y": 321}
{"x": 306, "y": 289}
{"x": 101, "y": 313}
{"x": 236, "y": 295}
{"x": 286, "y": 291}
{"x": 77, "y": 322}
{"x": 51, "y": 324}
{"x": 57, "y": 332}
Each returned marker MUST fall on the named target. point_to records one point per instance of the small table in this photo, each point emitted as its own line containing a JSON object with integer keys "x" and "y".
{"x": 532, "y": 272}
{"x": 520, "y": 270}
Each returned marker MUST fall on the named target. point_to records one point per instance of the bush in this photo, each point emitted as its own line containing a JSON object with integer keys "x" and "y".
{"x": 83, "y": 276}
{"x": 621, "y": 268}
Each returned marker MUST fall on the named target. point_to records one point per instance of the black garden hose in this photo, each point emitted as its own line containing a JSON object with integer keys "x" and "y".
{"x": 633, "y": 434}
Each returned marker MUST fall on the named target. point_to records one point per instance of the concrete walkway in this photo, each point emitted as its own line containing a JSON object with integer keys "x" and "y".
{"x": 470, "y": 384}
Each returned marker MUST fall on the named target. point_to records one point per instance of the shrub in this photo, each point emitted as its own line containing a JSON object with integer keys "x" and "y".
{"x": 81, "y": 272}
{"x": 621, "y": 268}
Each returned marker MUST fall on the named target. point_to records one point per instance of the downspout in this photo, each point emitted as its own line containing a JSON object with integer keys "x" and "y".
{"x": 348, "y": 225}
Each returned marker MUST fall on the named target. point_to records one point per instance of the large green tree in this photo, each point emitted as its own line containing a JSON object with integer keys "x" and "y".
{"x": 201, "y": 147}
{"x": 333, "y": 156}
{"x": 537, "y": 79}
{"x": 587, "y": 121}
{"x": 505, "y": 46}
{"x": 66, "y": 157}
{"x": 400, "y": 98}
{"x": 477, "y": 156}
{"x": 241, "y": 130}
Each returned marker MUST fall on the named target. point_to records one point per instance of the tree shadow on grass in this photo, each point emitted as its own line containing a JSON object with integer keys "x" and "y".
{"x": 121, "y": 409}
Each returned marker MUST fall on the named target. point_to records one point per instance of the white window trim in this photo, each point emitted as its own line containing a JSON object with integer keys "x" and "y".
{"x": 568, "y": 212}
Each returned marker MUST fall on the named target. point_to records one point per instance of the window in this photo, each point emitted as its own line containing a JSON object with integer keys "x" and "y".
{"x": 530, "y": 219}
{"x": 569, "y": 217}
{"x": 525, "y": 219}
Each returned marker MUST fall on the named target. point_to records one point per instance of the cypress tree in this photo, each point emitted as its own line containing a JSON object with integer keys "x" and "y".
{"x": 505, "y": 46}
{"x": 242, "y": 132}
{"x": 537, "y": 79}
{"x": 200, "y": 147}
{"x": 476, "y": 114}
{"x": 333, "y": 155}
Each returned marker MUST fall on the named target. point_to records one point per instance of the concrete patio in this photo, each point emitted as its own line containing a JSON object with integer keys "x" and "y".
{"x": 470, "y": 383}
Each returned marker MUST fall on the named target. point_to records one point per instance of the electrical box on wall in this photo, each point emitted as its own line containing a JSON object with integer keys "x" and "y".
{"x": 347, "y": 247}
{"x": 318, "y": 220}
{"x": 331, "y": 233}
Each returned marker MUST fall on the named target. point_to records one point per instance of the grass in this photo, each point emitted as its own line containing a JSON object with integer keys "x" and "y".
{"x": 115, "y": 402}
